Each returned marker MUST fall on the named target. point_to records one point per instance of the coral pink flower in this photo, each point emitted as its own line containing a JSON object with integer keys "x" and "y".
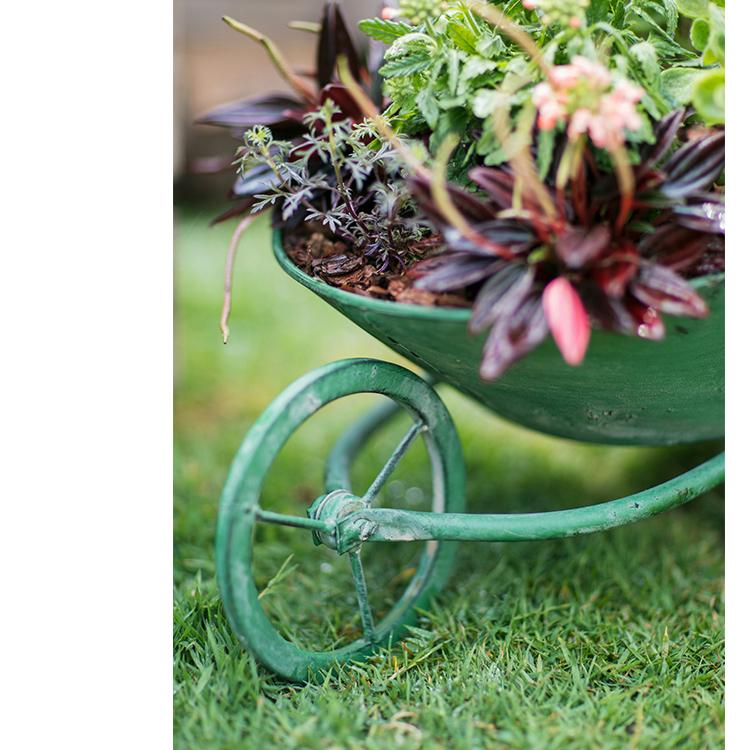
{"x": 551, "y": 106}
{"x": 582, "y": 95}
{"x": 579, "y": 123}
{"x": 567, "y": 319}
{"x": 604, "y": 134}
{"x": 530, "y": 4}
{"x": 626, "y": 91}
{"x": 542, "y": 94}
{"x": 388, "y": 14}
{"x": 564, "y": 76}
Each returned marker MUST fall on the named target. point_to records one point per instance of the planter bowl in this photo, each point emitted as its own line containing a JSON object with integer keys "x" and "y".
{"x": 628, "y": 391}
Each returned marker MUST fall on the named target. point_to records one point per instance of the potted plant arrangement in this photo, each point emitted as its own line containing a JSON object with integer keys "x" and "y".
{"x": 554, "y": 164}
{"x": 525, "y": 198}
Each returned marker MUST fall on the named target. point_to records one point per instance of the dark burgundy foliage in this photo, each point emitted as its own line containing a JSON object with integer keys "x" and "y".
{"x": 280, "y": 112}
{"x": 335, "y": 40}
{"x": 283, "y": 114}
{"x": 626, "y": 274}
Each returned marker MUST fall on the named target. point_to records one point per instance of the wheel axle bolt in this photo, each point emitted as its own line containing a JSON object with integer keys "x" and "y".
{"x": 331, "y": 508}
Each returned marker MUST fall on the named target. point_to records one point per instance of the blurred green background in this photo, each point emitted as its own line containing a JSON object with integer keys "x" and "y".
{"x": 613, "y": 640}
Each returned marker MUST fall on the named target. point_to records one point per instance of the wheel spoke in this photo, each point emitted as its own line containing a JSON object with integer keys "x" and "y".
{"x": 392, "y": 462}
{"x": 299, "y": 522}
{"x": 360, "y": 585}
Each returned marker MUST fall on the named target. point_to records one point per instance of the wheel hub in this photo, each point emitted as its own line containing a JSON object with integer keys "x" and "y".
{"x": 332, "y": 508}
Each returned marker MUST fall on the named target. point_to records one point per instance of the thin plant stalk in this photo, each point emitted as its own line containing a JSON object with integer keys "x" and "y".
{"x": 512, "y": 29}
{"x": 442, "y": 198}
{"x": 312, "y": 27}
{"x": 521, "y": 161}
{"x": 626, "y": 183}
{"x": 343, "y": 188}
{"x": 298, "y": 84}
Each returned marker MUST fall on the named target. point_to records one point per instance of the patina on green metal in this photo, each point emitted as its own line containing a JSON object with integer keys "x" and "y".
{"x": 240, "y": 510}
{"x": 344, "y": 522}
{"x": 628, "y": 391}
{"x": 388, "y": 525}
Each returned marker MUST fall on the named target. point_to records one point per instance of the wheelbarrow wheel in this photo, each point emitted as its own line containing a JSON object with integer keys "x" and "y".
{"x": 241, "y": 511}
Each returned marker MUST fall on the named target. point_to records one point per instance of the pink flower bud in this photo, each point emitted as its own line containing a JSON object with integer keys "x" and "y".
{"x": 575, "y": 22}
{"x": 565, "y": 76}
{"x": 627, "y": 91}
{"x": 549, "y": 106}
{"x": 600, "y": 133}
{"x": 595, "y": 73}
{"x": 579, "y": 123}
{"x": 530, "y": 4}
{"x": 567, "y": 319}
{"x": 545, "y": 121}
{"x": 583, "y": 95}
{"x": 388, "y": 14}
{"x": 541, "y": 94}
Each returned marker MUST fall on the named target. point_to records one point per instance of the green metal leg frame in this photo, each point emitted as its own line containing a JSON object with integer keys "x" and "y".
{"x": 388, "y": 525}
{"x": 344, "y": 522}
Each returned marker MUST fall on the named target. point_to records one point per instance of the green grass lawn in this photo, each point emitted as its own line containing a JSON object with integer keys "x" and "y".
{"x": 608, "y": 641}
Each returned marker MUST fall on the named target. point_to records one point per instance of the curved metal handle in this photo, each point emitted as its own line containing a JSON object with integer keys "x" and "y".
{"x": 388, "y": 525}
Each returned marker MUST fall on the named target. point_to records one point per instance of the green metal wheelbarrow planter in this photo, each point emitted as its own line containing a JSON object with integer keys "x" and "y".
{"x": 627, "y": 392}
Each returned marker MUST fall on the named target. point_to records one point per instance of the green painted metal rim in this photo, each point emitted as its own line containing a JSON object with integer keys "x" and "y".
{"x": 397, "y": 309}
{"x": 239, "y": 506}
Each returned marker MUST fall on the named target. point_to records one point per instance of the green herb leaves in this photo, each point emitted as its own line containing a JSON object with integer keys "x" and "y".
{"x": 444, "y": 73}
{"x": 384, "y": 31}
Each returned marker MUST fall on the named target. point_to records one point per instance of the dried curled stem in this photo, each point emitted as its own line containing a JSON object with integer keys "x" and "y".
{"x": 229, "y": 273}
{"x": 302, "y": 87}
{"x": 442, "y": 197}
